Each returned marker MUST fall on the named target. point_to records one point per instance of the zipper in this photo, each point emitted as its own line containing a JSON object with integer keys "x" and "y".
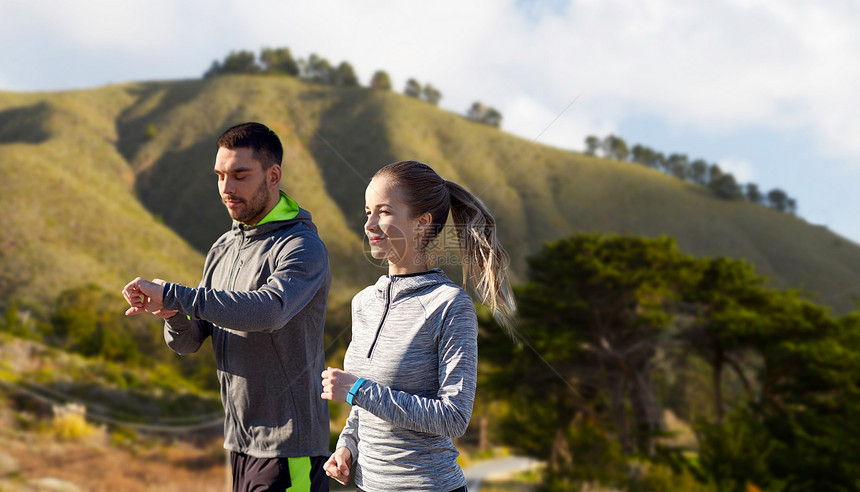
{"x": 237, "y": 266}
{"x": 381, "y": 321}
{"x": 238, "y": 262}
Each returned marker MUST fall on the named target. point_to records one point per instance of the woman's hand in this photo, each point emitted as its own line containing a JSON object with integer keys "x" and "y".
{"x": 336, "y": 384}
{"x": 337, "y": 467}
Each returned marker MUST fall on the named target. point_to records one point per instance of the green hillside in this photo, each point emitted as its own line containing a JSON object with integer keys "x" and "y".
{"x": 70, "y": 214}
{"x": 105, "y": 184}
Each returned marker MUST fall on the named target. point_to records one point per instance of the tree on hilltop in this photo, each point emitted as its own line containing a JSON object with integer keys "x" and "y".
{"x": 698, "y": 172}
{"x": 279, "y": 61}
{"x": 317, "y": 69}
{"x": 753, "y": 194}
{"x": 240, "y": 62}
{"x": 778, "y": 199}
{"x": 413, "y": 89}
{"x": 592, "y": 144}
{"x": 380, "y": 81}
{"x": 615, "y": 148}
{"x": 644, "y": 155}
{"x": 431, "y": 94}
{"x": 428, "y": 93}
{"x": 482, "y": 113}
{"x": 237, "y": 62}
{"x": 213, "y": 71}
{"x": 714, "y": 173}
{"x": 345, "y": 75}
{"x": 725, "y": 186}
{"x": 678, "y": 165}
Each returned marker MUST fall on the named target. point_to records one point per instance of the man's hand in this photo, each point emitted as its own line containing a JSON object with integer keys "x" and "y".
{"x": 146, "y": 297}
{"x": 337, "y": 467}
{"x": 336, "y": 384}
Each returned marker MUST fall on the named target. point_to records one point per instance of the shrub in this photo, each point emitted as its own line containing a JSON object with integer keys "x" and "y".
{"x": 72, "y": 427}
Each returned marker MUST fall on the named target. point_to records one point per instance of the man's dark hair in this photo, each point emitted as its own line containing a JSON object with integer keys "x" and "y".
{"x": 256, "y": 136}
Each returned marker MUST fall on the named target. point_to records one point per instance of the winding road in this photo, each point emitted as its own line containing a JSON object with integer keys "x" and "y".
{"x": 476, "y": 474}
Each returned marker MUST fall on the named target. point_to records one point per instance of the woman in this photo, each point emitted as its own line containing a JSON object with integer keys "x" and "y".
{"x": 411, "y": 367}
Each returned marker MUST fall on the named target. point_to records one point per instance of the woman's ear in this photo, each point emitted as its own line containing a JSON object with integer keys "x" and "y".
{"x": 422, "y": 228}
{"x": 424, "y": 220}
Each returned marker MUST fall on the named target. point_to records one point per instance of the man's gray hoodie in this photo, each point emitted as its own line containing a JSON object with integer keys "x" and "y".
{"x": 262, "y": 299}
{"x": 414, "y": 338}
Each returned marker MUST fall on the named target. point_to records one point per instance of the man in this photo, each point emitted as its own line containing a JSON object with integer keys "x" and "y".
{"x": 262, "y": 299}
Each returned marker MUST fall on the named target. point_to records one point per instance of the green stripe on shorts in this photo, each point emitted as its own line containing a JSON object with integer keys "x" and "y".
{"x": 300, "y": 474}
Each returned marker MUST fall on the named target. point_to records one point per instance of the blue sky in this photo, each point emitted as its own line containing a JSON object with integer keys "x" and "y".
{"x": 764, "y": 88}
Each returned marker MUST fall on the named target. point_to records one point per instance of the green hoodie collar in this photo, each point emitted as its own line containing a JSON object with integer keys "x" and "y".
{"x": 286, "y": 209}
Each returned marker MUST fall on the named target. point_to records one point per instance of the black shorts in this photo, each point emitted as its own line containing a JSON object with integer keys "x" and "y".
{"x": 252, "y": 474}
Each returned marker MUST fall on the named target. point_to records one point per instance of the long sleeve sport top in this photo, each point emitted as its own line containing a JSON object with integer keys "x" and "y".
{"x": 262, "y": 300}
{"x": 414, "y": 338}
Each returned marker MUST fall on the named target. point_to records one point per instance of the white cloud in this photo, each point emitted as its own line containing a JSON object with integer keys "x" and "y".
{"x": 564, "y": 127}
{"x": 719, "y": 65}
{"x": 102, "y": 24}
{"x": 715, "y": 66}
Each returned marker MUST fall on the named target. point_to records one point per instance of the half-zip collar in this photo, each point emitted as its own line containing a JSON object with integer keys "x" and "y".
{"x": 391, "y": 288}
{"x": 402, "y": 285}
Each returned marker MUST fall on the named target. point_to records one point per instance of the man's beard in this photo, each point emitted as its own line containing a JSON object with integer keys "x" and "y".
{"x": 254, "y": 208}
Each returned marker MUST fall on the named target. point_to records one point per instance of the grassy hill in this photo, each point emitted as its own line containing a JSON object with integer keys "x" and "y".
{"x": 70, "y": 215}
{"x": 105, "y": 184}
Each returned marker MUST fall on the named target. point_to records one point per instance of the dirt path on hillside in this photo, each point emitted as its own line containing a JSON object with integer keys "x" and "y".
{"x": 42, "y": 463}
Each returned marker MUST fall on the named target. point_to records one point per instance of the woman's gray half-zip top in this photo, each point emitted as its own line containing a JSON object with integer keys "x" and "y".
{"x": 414, "y": 338}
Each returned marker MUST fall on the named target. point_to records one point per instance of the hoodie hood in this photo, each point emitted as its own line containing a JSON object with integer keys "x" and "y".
{"x": 302, "y": 216}
{"x": 285, "y": 209}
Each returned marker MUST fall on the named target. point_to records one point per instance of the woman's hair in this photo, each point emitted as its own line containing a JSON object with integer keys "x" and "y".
{"x": 484, "y": 259}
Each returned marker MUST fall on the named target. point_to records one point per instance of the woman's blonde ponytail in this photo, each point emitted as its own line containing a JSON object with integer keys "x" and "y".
{"x": 485, "y": 261}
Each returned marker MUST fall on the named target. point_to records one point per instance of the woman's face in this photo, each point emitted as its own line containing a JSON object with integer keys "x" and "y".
{"x": 392, "y": 230}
